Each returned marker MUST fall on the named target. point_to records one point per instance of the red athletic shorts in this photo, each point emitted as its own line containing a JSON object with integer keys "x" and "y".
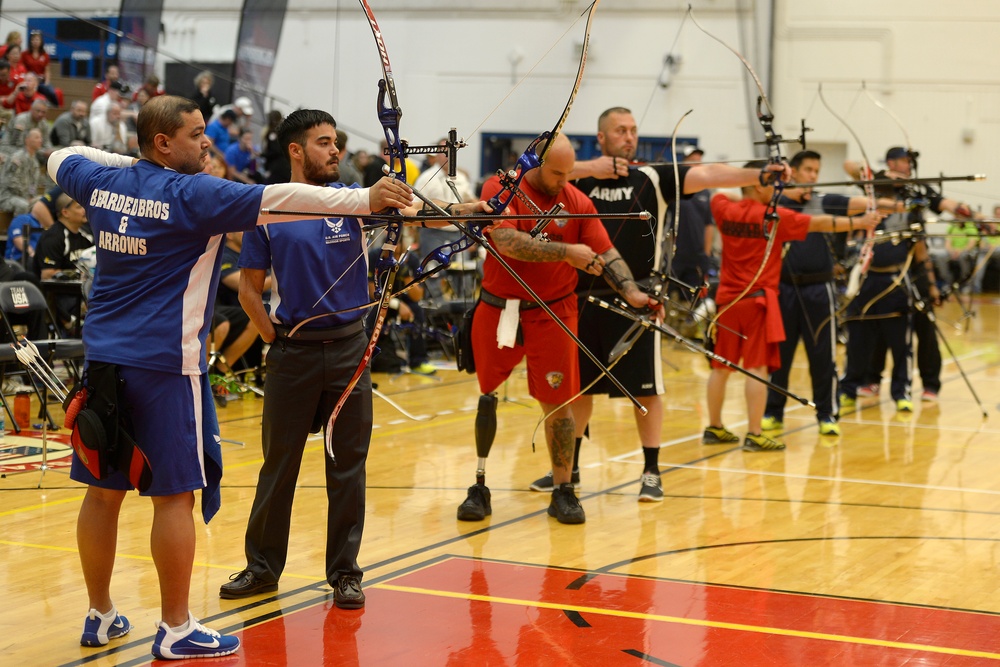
{"x": 553, "y": 365}
{"x": 746, "y": 317}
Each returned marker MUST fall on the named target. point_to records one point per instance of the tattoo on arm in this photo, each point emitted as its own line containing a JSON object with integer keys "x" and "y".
{"x": 616, "y": 271}
{"x": 520, "y": 245}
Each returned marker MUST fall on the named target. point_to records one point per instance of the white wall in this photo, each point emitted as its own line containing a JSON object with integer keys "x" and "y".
{"x": 933, "y": 63}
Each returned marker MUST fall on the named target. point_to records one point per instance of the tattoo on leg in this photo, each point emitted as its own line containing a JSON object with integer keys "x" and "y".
{"x": 561, "y": 441}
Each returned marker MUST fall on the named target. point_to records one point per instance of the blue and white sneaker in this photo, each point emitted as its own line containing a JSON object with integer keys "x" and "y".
{"x": 99, "y": 629}
{"x": 195, "y": 641}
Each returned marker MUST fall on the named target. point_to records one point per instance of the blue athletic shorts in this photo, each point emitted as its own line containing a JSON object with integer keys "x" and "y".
{"x": 174, "y": 420}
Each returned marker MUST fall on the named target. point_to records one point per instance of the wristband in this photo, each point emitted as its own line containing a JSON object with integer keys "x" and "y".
{"x": 394, "y": 303}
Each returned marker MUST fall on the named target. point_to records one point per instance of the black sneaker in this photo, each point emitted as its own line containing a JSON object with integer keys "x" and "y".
{"x": 651, "y": 490}
{"x": 545, "y": 483}
{"x": 477, "y": 504}
{"x": 347, "y": 594}
{"x": 565, "y": 506}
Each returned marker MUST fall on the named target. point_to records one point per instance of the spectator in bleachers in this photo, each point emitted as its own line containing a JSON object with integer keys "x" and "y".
{"x": 110, "y": 132}
{"x": 243, "y": 108}
{"x": 13, "y": 56}
{"x": 349, "y": 172}
{"x": 8, "y": 91}
{"x": 111, "y": 75}
{"x": 58, "y": 250}
{"x": 20, "y": 176}
{"x": 13, "y": 39}
{"x": 32, "y": 119}
{"x": 151, "y": 84}
{"x": 241, "y": 334}
{"x": 44, "y": 208}
{"x": 139, "y": 99}
{"x": 72, "y": 128}
{"x": 114, "y": 97}
{"x": 27, "y": 93}
{"x": 219, "y": 130}
{"x": 203, "y": 95}
{"x": 15, "y": 238}
{"x": 36, "y": 60}
{"x": 60, "y": 246}
{"x": 242, "y": 159}
{"x": 276, "y": 164}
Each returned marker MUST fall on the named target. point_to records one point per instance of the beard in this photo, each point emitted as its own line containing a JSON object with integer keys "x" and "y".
{"x": 193, "y": 165}
{"x": 320, "y": 172}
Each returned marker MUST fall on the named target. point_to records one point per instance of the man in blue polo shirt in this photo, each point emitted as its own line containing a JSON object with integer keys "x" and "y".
{"x": 158, "y": 225}
{"x": 309, "y": 370}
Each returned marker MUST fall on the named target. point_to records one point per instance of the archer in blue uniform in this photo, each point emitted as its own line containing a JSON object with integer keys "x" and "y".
{"x": 158, "y": 225}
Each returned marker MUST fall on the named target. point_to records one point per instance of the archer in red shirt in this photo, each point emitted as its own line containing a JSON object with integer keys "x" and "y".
{"x": 749, "y": 326}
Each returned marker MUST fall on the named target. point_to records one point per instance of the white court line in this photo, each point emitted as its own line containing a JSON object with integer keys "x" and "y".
{"x": 824, "y": 478}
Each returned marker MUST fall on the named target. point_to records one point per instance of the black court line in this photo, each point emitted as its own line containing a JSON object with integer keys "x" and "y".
{"x": 648, "y": 658}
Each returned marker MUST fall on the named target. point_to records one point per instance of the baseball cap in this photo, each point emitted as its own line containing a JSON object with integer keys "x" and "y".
{"x": 690, "y": 150}
{"x": 896, "y": 152}
{"x": 244, "y": 104}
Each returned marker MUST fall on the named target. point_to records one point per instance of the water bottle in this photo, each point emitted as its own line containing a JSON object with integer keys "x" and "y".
{"x": 22, "y": 409}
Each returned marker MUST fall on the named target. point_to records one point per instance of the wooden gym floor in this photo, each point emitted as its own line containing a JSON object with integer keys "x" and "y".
{"x": 879, "y": 547}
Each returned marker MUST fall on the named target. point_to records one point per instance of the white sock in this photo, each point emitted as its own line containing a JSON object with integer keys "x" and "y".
{"x": 108, "y": 616}
{"x": 181, "y": 629}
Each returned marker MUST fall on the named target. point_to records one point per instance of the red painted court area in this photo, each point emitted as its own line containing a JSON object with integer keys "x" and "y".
{"x": 460, "y": 611}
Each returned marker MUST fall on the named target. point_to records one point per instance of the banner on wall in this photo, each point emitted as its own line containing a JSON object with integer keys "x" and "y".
{"x": 260, "y": 33}
{"x": 140, "y": 26}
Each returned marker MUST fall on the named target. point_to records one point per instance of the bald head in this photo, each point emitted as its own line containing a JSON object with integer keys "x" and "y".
{"x": 554, "y": 173}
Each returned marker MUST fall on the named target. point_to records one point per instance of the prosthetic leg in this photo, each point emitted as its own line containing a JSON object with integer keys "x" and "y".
{"x": 477, "y": 503}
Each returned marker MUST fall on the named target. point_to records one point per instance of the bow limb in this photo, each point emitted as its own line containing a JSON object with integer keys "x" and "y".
{"x": 531, "y": 159}
{"x": 860, "y": 270}
{"x": 773, "y": 142}
{"x": 389, "y": 113}
{"x": 896, "y": 120}
{"x": 675, "y": 223}
{"x": 557, "y": 128}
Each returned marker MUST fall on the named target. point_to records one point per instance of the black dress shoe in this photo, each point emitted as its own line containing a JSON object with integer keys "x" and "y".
{"x": 244, "y": 584}
{"x": 347, "y": 594}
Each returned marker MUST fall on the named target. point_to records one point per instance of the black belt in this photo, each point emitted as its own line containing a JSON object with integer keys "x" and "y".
{"x": 500, "y": 302}
{"x": 305, "y": 335}
{"x": 892, "y": 268}
{"x": 807, "y": 278}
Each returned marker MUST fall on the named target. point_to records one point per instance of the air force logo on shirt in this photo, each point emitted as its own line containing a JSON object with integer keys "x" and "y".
{"x": 335, "y": 232}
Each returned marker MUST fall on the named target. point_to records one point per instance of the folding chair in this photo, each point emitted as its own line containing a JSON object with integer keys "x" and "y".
{"x": 19, "y": 297}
